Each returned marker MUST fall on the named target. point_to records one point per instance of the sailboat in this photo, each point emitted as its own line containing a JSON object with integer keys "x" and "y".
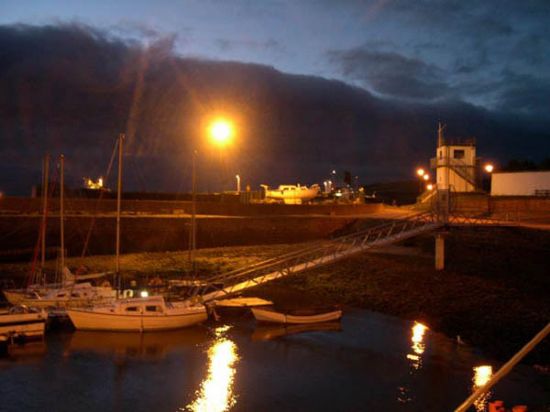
{"x": 66, "y": 293}
{"x": 136, "y": 314}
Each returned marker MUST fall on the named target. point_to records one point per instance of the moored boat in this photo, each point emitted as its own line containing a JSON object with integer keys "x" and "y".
{"x": 21, "y": 322}
{"x": 138, "y": 315}
{"x": 78, "y": 295}
{"x": 266, "y": 315}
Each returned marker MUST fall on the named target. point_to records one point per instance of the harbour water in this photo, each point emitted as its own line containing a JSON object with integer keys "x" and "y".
{"x": 368, "y": 362}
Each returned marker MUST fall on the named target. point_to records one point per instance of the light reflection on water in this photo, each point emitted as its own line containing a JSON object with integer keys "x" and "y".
{"x": 482, "y": 374}
{"x": 418, "y": 346}
{"x": 372, "y": 362}
{"x": 216, "y": 392}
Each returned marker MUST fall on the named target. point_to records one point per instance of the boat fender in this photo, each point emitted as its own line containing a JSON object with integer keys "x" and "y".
{"x": 128, "y": 293}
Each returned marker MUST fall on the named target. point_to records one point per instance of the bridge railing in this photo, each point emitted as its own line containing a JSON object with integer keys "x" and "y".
{"x": 319, "y": 253}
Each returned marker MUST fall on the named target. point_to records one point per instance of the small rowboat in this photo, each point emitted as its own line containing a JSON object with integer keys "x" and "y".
{"x": 264, "y": 315}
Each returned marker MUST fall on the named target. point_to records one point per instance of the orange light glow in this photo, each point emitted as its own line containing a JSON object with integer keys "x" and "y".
{"x": 420, "y": 172}
{"x": 90, "y": 184}
{"x": 489, "y": 168}
{"x": 426, "y": 177}
{"x": 221, "y": 132}
{"x": 430, "y": 186}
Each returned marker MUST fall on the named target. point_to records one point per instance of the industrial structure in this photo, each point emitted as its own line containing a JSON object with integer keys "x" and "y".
{"x": 455, "y": 163}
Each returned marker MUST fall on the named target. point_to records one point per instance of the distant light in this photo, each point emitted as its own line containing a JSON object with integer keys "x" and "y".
{"x": 430, "y": 186}
{"x": 426, "y": 177}
{"x": 144, "y": 294}
{"x": 420, "y": 172}
{"x": 90, "y": 184}
{"x": 489, "y": 168}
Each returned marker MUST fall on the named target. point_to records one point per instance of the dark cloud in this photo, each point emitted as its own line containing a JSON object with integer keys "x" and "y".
{"x": 72, "y": 89}
{"x": 229, "y": 44}
{"x": 392, "y": 74}
{"x": 524, "y": 94}
{"x": 454, "y": 49}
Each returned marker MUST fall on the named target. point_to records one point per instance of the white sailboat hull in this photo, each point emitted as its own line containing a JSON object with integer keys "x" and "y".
{"x": 94, "y": 320}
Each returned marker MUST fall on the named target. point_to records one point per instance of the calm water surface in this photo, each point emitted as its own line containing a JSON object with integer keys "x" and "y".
{"x": 369, "y": 362}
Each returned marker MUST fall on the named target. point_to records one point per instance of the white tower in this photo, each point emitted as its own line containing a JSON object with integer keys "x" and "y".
{"x": 455, "y": 163}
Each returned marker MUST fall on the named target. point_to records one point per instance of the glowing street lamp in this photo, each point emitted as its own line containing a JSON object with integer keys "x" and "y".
{"x": 221, "y": 132}
{"x": 420, "y": 172}
{"x": 489, "y": 168}
{"x": 426, "y": 177}
{"x": 430, "y": 186}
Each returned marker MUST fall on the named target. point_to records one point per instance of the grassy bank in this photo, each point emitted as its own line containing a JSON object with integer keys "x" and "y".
{"x": 494, "y": 292}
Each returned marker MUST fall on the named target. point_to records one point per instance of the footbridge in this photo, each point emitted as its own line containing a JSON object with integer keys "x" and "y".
{"x": 323, "y": 252}
{"x": 319, "y": 253}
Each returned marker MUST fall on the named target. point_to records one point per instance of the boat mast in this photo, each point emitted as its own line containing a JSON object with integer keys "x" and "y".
{"x": 44, "y": 210}
{"x": 61, "y": 211}
{"x": 118, "y": 203}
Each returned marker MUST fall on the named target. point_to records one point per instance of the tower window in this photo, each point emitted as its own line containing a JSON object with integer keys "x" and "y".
{"x": 458, "y": 154}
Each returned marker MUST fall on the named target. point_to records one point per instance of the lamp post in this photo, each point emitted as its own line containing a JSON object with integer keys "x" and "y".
{"x": 487, "y": 168}
{"x": 221, "y": 134}
{"x": 193, "y": 229}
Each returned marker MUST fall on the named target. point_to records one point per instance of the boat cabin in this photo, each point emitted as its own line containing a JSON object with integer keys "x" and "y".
{"x": 148, "y": 306}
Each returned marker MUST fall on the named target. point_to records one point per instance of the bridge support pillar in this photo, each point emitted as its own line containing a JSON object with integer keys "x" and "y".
{"x": 439, "y": 251}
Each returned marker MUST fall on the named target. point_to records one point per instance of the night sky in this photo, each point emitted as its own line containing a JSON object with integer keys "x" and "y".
{"x": 311, "y": 85}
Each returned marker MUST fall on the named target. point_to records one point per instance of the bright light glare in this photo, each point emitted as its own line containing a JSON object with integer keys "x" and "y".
{"x": 221, "y": 132}
{"x": 144, "y": 294}
{"x": 430, "y": 187}
{"x": 418, "y": 345}
{"x": 426, "y": 177}
{"x": 489, "y": 168}
{"x": 420, "y": 172}
{"x": 216, "y": 392}
{"x": 482, "y": 375}
{"x": 418, "y": 331}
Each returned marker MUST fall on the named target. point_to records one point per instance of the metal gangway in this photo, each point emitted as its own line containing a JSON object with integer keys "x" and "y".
{"x": 318, "y": 253}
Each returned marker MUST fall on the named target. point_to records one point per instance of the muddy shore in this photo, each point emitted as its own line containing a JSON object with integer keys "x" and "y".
{"x": 493, "y": 292}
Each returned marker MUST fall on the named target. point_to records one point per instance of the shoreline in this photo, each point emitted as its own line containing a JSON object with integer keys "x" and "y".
{"x": 493, "y": 292}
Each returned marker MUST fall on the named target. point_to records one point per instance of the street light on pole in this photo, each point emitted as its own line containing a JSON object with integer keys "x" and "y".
{"x": 220, "y": 132}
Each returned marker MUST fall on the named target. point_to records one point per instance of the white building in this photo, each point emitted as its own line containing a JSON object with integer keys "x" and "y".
{"x": 520, "y": 184}
{"x": 456, "y": 164}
